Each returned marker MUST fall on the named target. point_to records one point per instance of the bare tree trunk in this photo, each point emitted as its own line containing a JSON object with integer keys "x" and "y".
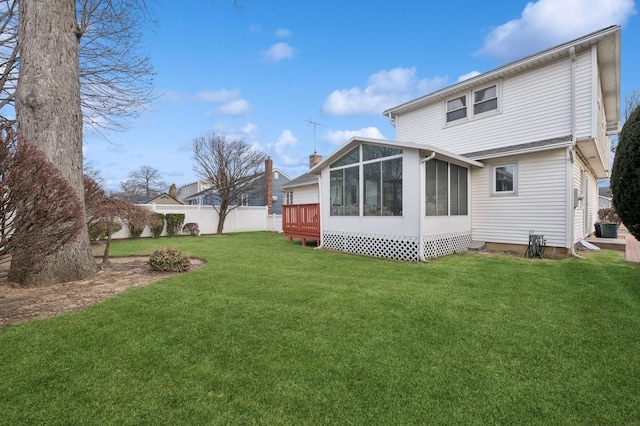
{"x": 49, "y": 115}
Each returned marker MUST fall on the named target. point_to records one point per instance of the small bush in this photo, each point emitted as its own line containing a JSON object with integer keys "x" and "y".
{"x": 174, "y": 223}
{"x": 169, "y": 260}
{"x": 191, "y": 228}
{"x": 135, "y": 230}
{"x": 157, "y": 230}
{"x": 609, "y": 215}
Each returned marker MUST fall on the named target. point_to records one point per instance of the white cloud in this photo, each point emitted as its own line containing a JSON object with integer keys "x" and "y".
{"x": 278, "y": 52}
{"x": 546, "y": 23}
{"x": 236, "y": 107}
{"x": 285, "y": 140}
{"x": 468, "y": 75}
{"x": 385, "y": 89}
{"x": 341, "y": 136}
{"x": 218, "y": 96}
{"x": 283, "y": 32}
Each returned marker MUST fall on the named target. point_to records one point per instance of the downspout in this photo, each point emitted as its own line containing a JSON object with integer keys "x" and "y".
{"x": 421, "y": 214}
{"x": 320, "y": 209}
{"x": 571, "y": 152}
{"x": 392, "y": 120}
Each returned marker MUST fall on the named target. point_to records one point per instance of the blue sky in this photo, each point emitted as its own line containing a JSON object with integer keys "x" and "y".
{"x": 258, "y": 73}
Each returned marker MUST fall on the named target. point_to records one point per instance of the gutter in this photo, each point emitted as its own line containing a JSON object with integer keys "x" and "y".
{"x": 571, "y": 152}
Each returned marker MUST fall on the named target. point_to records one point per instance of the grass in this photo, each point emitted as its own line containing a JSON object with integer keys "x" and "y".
{"x": 272, "y": 333}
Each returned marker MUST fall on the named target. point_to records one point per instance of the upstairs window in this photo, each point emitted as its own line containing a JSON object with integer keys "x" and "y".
{"x": 457, "y": 108}
{"x": 485, "y": 100}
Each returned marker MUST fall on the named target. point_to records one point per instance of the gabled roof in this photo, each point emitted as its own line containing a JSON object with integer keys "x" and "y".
{"x": 302, "y": 180}
{"x": 607, "y": 41}
{"x": 354, "y": 141}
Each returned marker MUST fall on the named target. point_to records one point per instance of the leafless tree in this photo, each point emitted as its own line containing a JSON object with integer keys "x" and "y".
{"x": 232, "y": 166}
{"x": 144, "y": 181}
{"x": 111, "y": 210}
{"x": 115, "y": 77}
{"x": 39, "y": 210}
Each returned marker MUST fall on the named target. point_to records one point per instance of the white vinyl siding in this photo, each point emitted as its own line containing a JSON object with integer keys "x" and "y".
{"x": 307, "y": 194}
{"x": 585, "y": 95}
{"x": 586, "y": 212}
{"x": 534, "y": 106}
{"x": 541, "y": 203}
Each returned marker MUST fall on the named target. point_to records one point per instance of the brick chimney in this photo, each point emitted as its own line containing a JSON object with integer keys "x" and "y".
{"x": 268, "y": 179}
{"x": 314, "y": 159}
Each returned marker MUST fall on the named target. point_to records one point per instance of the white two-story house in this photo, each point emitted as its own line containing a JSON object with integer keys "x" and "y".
{"x": 489, "y": 159}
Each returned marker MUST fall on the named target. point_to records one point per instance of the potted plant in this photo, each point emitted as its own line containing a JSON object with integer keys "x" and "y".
{"x": 607, "y": 227}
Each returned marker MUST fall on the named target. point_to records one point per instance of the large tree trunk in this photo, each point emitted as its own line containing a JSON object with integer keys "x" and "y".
{"x": 49, "y": 115}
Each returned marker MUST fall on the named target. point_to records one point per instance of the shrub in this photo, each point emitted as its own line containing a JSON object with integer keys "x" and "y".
{"x": 169, "y": 260}
{"x": 625, "y": 179}
{"x": 191, "y": 228}
{"x": 609, "y": 215}
{"x": 174, "y": 223}
{"x": 157, "y": 230}
{"x": 135, "y": 230}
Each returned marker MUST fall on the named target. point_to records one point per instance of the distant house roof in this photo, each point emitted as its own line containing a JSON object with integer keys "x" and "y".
{"x": 604, "y": 191}
{"x": 163, "y": 198}
{"x": 305, "y": 179}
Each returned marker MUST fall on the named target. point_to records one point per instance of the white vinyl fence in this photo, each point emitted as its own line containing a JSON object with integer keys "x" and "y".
{"x": 240, "y": 219}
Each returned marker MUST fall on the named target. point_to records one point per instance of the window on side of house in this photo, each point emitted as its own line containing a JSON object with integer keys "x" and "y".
{"x": 446, "y": 189}
{"x": 456, "y": 108}
{"x": 288, "y": 197}
{"x": 485, "y": 100}
{"x": 504, "y": 179}
{"x": 244, "y": 200}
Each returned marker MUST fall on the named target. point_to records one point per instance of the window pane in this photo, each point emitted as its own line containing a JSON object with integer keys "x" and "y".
{"x": 352, "y": 157}
{"x": 504, "y": 178}
{"x": 456, "y": 115}
{"x": 458, "y": 190}
{"x": 456, "y": 103}
{"x": 392, "y": 187}
{"x": 371, "y": 152}
{"x": 437, "y": 188}
{"x": 352, "y": 191}
{"x": 442, "y": 179}
{"x": 430, "y": 187}
{"x": 372, "y": 202}
{"x": 485, "y": 94}
{"x": 337, "y": 185}
{"x": 485, "y": 106}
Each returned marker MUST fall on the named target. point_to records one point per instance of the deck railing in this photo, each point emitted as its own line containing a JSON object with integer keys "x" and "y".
{"x": 301, "y": 219}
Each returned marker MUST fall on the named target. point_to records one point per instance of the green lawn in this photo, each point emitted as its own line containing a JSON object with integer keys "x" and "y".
{"x": 272, "y": 333}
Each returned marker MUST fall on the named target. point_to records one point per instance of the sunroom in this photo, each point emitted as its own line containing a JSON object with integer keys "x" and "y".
{"x": 398, "y": 200}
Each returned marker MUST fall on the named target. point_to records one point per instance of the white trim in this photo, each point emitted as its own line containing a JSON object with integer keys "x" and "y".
{"x": 514, "y": 191}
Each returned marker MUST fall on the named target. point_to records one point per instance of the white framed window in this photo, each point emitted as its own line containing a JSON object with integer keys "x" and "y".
{"x": 485, "y": 100}
{"x": 244, "y": 200}
{"x": 456, "y": 108}
{"x": 276, "y": 175}
{"x": 505, "y": 178}
{"x": 446, "y": 189}
{"x": 288, "y": 196}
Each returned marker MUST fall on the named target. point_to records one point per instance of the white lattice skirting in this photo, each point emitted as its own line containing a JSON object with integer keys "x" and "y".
{"x": 444, "y": 244}
{"x": 396, "y": 247}
{"x": 393, "y": 247}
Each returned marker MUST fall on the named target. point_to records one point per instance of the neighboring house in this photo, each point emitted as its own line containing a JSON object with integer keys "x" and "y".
{"x": 163, "y": 198}
{"x": 604, "y": 197}
{"x": 488, "y": 159}
{"x": 192, "y": 188}
{"x": 269, "y": 191}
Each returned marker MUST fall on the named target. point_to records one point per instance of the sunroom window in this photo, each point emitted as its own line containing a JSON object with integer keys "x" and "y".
{"x": 377, "y": 179}
{"x": 446, "y": 189}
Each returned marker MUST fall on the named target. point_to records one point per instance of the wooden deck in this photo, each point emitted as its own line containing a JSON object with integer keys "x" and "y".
{"x": 301, "y": 221}
{"x": 632, "y": 249}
